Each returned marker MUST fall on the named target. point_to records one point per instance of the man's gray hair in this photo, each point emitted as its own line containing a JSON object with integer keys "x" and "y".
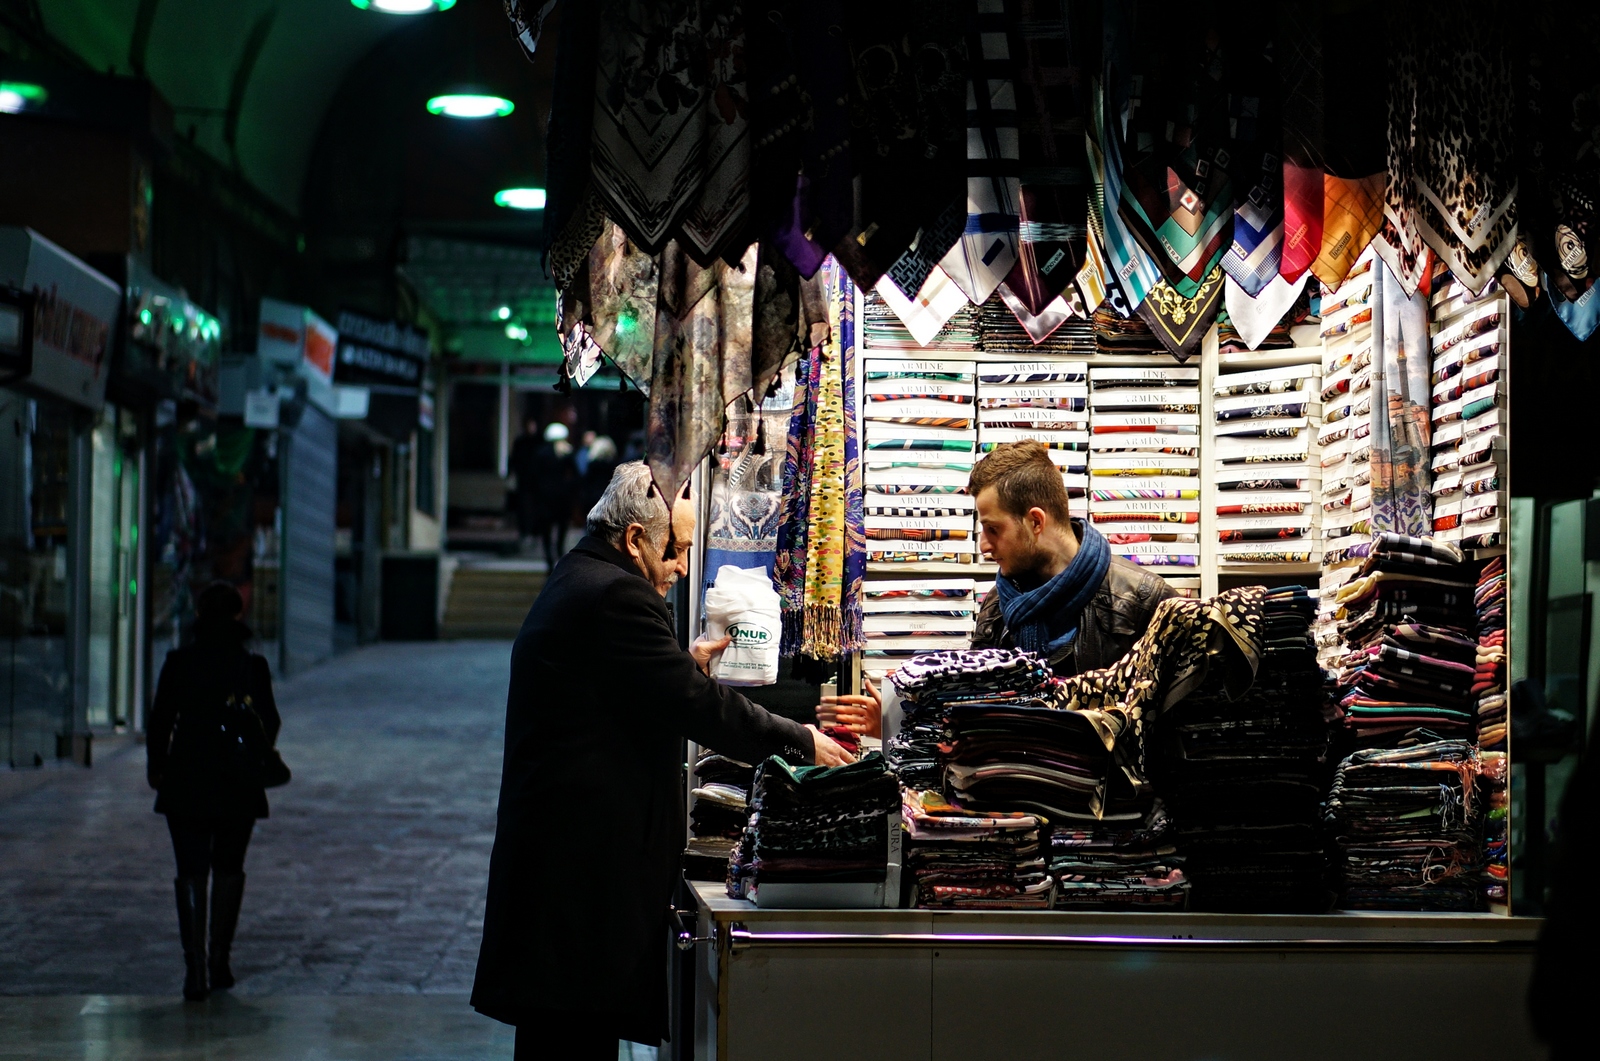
{"x": 629, "y": 499}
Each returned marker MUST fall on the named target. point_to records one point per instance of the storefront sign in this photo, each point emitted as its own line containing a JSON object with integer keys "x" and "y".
{"x": 379, "y": 353}
{"x": 321, "y": 341}
{"x": 74, "y": 311}
{"x": 281, "y": 333}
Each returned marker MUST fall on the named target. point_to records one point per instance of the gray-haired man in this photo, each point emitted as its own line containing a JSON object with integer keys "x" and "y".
{"x": 591, "y": 807}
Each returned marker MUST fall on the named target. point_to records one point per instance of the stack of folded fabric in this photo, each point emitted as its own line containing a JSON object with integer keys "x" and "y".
{"x": 816, "y": 825}
{"x": 904, "y": 617}
{"x": 1344, "y": 444}
{"x": 1114, "y": 334}
{"x": 1267, "y": 420}
{"x": 718, "y": 815}
{"x": 1118, "y": 865}
{"x": 1245, "y": 774}
{"x": 1042, "y": 401}
{"x": 1489, "y": 677}
{"x": 1408, "y": 825}
{"x": 962, "y": 859}
{"x": 883, "y": 330}
{"x": 999, "y": 333}
{"x": 1409, "y": 628}
{"x": 1144, "y": 464}
{"x": 920, "y": 429}
{"x": 1469, "y": 332}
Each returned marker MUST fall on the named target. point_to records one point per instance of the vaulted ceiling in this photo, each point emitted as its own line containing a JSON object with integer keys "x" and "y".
{"x": 321, "y": 107}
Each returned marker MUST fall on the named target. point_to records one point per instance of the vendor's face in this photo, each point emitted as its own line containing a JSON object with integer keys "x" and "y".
{"x": 1012, "y": 541}
{"x": 664, "y": 571}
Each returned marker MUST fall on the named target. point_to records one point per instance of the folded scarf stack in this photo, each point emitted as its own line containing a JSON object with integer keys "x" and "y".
{"x": 972, "y": 860}
{"x": 718, "y": 815}
{"x": 1490, "y": 687}
{"x": 1245, "y": 775}
{"x": 1489, "y": 677}
{"x": 1408, "y": 626}
{"x": 1409, "y": 827}
{"x": 816, "y": 825}
{"x": 1118, "y": 864}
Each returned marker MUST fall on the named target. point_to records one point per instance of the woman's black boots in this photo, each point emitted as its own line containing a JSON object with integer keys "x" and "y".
{"x": 227, "y": 892}
{"x": 192, "y": 930}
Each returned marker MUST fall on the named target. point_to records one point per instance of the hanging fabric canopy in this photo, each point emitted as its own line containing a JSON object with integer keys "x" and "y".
{"x": 1069, "y": 159}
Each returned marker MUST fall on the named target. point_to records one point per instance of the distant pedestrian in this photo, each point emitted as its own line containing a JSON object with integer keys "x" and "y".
{"x": 552, "y": 482}
{"x": 600, "y": 461}
{"x": 525, "y": 498}
{"x": 212, "y": 721}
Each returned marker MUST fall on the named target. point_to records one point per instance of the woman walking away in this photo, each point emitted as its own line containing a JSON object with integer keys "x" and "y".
{"x": 212, "y": 720}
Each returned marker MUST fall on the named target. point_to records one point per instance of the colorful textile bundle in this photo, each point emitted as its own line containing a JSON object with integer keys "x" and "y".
{"x": 1268, "y": 416}
{"x": 1041, "y": 401}
{"x": 1408, "y": 824}
{"x": 1118, "y": 864}
{"x": 1489, "y": 676}
{"x": 718, "y": 815}
{"x": 970, "y": 860}
{"x": 904, "y": 617}
{"x": 1407, "y": 623}
{"x": 1469, "y": 414}
{"x": 1144, "y": 464}
{"x": 814, "y": 824}
{"x": 1245, "y": 775}
{"x": 821, "y": 547}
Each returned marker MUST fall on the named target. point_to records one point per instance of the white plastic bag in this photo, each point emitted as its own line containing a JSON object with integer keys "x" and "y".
{"x": 744, "y": 606}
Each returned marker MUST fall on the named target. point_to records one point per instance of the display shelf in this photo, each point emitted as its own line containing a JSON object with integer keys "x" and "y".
{"x": 930, "y": 567}
{"x": 1268, "y": 570}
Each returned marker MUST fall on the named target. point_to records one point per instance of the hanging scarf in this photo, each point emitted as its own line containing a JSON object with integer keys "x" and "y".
{"x": 1044, "y": 619}
{"x": 1352, "y": 213}
{"x": 1401, "y": 401}
{"x": 1180, "y": 321}
{"x": 821, "y": 548}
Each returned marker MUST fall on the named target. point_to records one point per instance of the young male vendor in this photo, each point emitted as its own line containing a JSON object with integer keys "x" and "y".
{"x": 1060, "y": 593}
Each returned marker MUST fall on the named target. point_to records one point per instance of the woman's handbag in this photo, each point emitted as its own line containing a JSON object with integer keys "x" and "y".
{"x": 271, "y": 770}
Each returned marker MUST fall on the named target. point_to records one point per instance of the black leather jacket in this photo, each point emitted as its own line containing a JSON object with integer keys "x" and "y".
{"x": 1111, "y": 623}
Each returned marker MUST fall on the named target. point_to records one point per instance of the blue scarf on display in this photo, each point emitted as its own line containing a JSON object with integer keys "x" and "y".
{"x": 1045, "y": 619}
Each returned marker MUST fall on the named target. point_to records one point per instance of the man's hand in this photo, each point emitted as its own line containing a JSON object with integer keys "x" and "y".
{"x": 862, "y": 715}
{"x": 827, "y": 753}
{"x": 703, "y": 649}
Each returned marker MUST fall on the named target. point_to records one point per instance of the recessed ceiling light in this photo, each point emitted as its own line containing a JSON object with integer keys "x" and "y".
{"x": 470, "y": 105}
{"x": 520, "y": 198}
{"x": 503, "y": 313}
{"x": 18, "y": 96}
{"x": 404, "y": 7}
{"x": 516, "y": 331}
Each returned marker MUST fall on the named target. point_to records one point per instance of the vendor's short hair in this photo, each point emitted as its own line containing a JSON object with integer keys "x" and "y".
{"x": 1023, "y": 477}
{"x": 631, "y": 497}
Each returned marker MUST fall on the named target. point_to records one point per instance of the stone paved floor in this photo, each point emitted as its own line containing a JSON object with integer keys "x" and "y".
{"x": 366, "y": 881}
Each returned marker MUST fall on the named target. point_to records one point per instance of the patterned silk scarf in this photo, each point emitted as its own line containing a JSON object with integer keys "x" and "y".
{"x": 1401, "y": 406}
{"x": 1181, "y": 323}
{"x": 821, "y": 544}
{"x": 1352, "y": 213}
{"x": 671, "y": 139}
{"x": 987, "y": 249}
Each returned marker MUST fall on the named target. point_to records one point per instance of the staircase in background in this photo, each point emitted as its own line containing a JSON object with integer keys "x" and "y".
{"x": 488, "y": 599}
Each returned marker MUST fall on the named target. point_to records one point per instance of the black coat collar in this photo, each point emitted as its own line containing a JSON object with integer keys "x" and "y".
{"x": 600, "y": 549}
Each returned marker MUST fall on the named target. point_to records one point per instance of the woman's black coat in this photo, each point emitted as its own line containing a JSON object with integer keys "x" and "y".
{"x": 193, "y": 770}
{"x": 591, "y": 822}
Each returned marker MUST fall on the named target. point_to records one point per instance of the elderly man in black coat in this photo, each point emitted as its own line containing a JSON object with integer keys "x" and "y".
{"x": 591, "y": 807}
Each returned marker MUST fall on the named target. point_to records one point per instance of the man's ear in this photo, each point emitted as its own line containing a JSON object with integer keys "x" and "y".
{"x": 1036, "y": 520}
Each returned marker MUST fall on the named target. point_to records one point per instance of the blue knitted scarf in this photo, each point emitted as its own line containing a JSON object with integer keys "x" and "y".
{"x": 1044, "y": 619}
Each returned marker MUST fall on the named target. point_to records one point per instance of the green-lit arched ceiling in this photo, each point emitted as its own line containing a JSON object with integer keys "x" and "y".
{"x": 198, "y": 54}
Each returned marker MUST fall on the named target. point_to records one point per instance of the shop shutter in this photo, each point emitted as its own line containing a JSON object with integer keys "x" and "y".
{"x": 310, "y": 480}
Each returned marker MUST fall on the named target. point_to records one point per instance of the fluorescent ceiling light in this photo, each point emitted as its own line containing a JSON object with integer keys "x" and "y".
{"x": 503, "y": 313}
{"x": 404, "y": 7}
{"x": 470, "y": 105}
{"x": 516, "y": 331}
{"x": 17, "y": 96}
{"x": 520, "y": 198}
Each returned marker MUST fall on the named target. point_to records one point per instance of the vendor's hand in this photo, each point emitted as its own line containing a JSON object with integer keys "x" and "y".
{"x": 825, "y": 751}
{"x": 861, "y": 715}
{"x": 703, "y": 649}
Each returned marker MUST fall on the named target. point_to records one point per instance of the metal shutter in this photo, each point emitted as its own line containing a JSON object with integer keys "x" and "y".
{"x": 310, "y": 483}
